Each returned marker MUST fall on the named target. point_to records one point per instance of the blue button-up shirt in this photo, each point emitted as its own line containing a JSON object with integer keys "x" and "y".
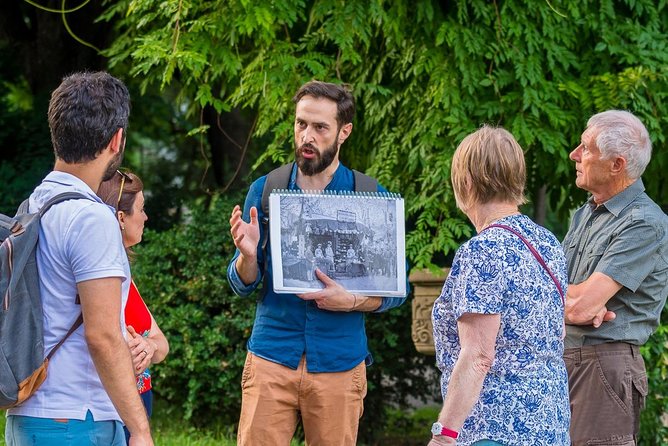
{"x": 287, "y": 327}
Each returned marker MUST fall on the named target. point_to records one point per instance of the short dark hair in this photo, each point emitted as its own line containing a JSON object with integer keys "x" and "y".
{"x": 345, "y": 103}
{"x": 85, "y": 112}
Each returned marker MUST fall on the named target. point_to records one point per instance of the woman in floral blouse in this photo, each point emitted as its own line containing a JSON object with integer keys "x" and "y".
{"x": 498, "y": 323}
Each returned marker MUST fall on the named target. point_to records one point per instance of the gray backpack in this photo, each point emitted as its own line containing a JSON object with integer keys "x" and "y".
{"x": 22, "y": 362}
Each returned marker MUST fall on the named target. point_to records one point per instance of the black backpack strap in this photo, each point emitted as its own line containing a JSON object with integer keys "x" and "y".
{"x": 276, "y": 179}
{"x": 364, "y": 183}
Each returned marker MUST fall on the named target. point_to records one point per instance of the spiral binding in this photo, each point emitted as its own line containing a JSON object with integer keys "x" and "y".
{"x": 342, "y": 193}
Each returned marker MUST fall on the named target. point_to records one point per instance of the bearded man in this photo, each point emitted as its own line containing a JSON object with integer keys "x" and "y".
{"x": 307, "y": 355}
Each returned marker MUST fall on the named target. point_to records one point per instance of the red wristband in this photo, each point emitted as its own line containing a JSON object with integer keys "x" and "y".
{"x": 439, "y": 429}
{"x": 449, "y": 433}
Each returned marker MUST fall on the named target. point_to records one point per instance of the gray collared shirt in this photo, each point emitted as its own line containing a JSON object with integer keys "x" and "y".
{"x": 626, "y": 239}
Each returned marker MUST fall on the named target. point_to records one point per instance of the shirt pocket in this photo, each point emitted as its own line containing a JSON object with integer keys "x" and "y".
{"x": 592, "y": 257}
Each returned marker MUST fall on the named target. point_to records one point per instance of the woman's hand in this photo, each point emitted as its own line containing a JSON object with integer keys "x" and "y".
{"x": 141, "y": 350}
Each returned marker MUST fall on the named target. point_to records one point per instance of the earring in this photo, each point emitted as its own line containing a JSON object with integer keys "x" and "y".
{"x": 122, "y": 227}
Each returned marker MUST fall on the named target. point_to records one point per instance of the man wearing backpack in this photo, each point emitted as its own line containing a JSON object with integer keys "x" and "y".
{"x": 83, "y": 269}
{"x": 307, "y": 355}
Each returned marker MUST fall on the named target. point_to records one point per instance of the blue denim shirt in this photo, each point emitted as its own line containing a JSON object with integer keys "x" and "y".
{"x": 286, "y": 327}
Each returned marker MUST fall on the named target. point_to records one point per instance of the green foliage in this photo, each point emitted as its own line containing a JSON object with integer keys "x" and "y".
{"x": 409, "y": 428}
{"x": 181, "y": 274}
{"x": 23, "y": 135}
{"x": 424, "y": 74}
{"x": 399, "y": 374}
{"x": 654, "y": 419}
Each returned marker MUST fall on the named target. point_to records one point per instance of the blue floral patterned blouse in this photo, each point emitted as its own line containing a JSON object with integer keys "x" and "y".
{"x": 524, "y": 398}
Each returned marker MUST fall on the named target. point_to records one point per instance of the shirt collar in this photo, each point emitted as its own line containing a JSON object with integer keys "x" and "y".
{"x": 338, "y": 176}
{"x": 617, "y": 203}
{"x": 67, "y": 179}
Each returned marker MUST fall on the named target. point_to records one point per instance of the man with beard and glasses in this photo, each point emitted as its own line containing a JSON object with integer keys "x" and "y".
{"x": 83, "y": 270}
{"x": 307, "y": 355}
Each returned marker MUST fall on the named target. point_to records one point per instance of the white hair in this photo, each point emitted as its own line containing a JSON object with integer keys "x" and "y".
{"x": 621, "y": 133}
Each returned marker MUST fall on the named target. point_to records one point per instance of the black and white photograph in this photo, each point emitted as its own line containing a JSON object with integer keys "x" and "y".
{"x": 356, "y": 239}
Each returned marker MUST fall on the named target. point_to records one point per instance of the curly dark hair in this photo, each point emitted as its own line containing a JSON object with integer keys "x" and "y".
{"x": 85, "y": 112}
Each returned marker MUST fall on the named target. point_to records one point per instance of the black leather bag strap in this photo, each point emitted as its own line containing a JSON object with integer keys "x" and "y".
{"x": 276, "y": 179}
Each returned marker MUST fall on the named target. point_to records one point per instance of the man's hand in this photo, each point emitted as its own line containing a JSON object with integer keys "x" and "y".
{"x": 586, "y": 301}
{"x": 333, "y": 297}
{"x": 603, "y": 316}
{"x": 246, "y": 236}
{"x": 101, "y": 309}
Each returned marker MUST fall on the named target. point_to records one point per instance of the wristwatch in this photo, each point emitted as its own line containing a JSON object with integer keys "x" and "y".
{"x": 438, "y": 429}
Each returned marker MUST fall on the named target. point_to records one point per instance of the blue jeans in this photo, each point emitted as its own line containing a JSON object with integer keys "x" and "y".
{"x": 32, "y": 431}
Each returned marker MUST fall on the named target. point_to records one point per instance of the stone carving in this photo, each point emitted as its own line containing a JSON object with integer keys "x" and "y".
{"x": 426, "y": 288}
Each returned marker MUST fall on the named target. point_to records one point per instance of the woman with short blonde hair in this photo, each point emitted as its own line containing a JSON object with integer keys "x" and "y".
{"x": 489, "y": 166}
{"x": 498, "y": 323}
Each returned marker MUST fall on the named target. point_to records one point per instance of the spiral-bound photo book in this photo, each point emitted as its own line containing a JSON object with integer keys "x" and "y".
{"x": 356, "y": 238}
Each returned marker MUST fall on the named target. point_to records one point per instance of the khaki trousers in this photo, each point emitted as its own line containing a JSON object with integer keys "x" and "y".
{"x": 275, "y": 396}
{"x": 607, "y": 386}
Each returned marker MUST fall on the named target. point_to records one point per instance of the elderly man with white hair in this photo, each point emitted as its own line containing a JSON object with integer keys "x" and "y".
{"x": 617, "y": 258}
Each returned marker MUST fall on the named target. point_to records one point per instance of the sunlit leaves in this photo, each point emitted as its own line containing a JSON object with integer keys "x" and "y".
{"x": 424, "y": 75}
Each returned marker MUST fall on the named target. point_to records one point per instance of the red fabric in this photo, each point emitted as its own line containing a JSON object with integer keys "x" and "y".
{"x": 137, "y": 315}
{"x": 136, "y": 312}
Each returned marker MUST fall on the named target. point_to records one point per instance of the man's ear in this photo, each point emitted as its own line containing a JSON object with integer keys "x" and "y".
{"x": 344, "y": 133}
{"x": 116, "y": 142}
{"x": 619, "y": 165}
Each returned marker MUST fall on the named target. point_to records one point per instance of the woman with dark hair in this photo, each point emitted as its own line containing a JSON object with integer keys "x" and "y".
{"x": 148, "y": 345}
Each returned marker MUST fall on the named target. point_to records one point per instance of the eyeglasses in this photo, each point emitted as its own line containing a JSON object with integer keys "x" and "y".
{"x": 124, "y": 176}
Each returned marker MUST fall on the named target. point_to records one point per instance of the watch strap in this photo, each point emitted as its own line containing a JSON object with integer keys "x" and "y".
{"x": 449, "y": 433}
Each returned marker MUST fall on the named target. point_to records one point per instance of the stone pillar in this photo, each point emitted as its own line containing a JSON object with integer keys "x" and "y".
{"x": 426, "y": 288}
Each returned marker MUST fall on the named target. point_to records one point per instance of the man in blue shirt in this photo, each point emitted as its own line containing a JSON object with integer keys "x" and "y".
{"x": 307, "y": 353}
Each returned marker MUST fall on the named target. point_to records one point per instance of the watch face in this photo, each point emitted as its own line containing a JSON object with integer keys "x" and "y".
{"x": 436, "y": 428}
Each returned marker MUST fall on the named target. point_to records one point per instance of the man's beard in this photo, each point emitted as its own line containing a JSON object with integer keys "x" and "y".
{"x": 115, "y": 162}
{"x": 113, "y": 166}
{"x": 319, "y": 163}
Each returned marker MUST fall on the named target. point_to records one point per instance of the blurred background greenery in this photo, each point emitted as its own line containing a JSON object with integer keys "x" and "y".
{"x": 211, "y": 82}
